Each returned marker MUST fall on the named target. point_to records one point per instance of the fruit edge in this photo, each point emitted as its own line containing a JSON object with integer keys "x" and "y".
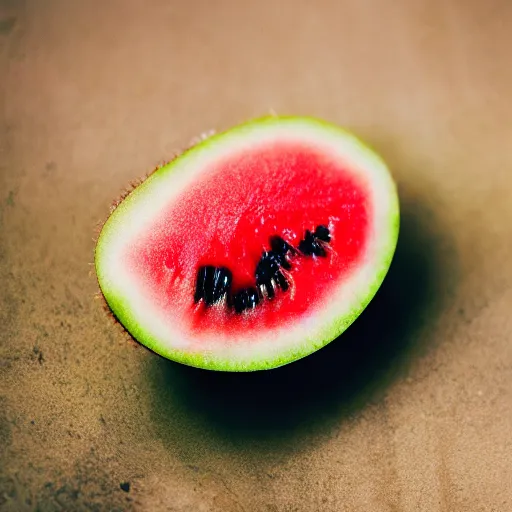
{"x": 308, "y": 346}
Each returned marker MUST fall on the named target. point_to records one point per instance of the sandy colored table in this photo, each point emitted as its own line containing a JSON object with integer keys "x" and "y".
{"x": 410, "y": 411}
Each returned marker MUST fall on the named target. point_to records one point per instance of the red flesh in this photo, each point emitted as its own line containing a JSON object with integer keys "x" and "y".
{"x": 227, "y": 218}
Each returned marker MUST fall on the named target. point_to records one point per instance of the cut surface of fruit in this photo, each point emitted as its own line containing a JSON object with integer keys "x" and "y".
{"x": 254, "y": 248}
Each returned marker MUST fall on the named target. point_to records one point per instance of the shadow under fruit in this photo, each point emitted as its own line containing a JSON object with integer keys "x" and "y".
{"x": 311, "y": 394}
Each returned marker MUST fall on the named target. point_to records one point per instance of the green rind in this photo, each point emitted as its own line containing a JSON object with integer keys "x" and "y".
{"x": 308, "y": 346}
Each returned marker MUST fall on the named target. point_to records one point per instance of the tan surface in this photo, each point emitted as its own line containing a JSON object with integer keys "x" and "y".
{"x": 411, "y": 411}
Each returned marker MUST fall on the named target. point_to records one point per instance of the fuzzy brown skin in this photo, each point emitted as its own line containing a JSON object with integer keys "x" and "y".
{"x": 138, "y": 181}
{"x": 99, "y": 226}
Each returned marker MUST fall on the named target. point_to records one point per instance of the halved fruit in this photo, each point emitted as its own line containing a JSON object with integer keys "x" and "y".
{"x": 252, "y": 249}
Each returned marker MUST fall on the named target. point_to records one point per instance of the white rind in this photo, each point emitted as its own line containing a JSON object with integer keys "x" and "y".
{"x": 247, "y": 351}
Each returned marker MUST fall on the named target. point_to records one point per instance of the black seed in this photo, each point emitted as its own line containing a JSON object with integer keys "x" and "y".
{"x": 278, "y": 260}
{"x": 208, "y": 286}
{"x": 221, "y": 283}
{"x": 270, "y": 290}
{"x": 281, "y": 281}
{"x": 318, "y": 250}
{"x": 203, "y": 275}
{"x": 281, "y": 259}
{"x": 247, "y": 298}
{"x": 306, "y": 245}
{"x": 279, "y": 249}
{"x": 310, "y": 246}
{"x": 269, "y": 270}
{"x": 280, "y": 246}
{"x": 305, "y": 248}
{"x": 323, "y": 233}
{"x": 212, "y": 284}
{"x": 267, "y": 267}
{"x": 125, "y": 486}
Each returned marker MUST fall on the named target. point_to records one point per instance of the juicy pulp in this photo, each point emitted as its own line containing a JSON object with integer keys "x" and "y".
{"x": 247, "y": 193}
{"x": 218, "y": 204}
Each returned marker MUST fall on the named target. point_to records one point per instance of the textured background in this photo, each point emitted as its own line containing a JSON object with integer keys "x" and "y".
{"x": 410, "y": 411}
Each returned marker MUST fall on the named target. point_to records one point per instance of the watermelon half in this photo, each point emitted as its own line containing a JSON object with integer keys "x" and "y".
{"x": 252, "y": 249}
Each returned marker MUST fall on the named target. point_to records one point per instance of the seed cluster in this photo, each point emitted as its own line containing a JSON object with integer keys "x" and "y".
{"x": 214, "y": 283}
